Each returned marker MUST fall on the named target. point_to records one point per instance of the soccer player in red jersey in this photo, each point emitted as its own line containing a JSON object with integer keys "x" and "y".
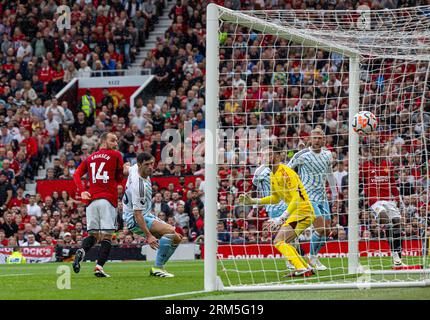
{"x": 380, "y": 190}
{"x": 104, "y": 169}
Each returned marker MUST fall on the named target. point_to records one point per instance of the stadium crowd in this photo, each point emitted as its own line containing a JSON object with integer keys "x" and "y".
{"x": 306, "y": 88}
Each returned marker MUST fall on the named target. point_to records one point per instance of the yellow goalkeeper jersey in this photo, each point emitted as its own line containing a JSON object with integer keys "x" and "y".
{"x": 286, "y": 185}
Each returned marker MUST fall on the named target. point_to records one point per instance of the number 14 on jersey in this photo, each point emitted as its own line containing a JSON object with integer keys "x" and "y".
{"x": 99, "y": 174}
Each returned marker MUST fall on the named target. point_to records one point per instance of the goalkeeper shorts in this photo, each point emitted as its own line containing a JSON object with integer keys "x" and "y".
{"x": 300, "y": 221}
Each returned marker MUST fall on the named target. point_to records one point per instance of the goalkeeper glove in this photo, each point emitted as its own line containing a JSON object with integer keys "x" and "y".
{"x": 278, "y": 221}
{"x": 246, "y": 199}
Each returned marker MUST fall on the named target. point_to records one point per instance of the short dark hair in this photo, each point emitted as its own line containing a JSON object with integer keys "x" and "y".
{"x": 103, "y": 136}
{"x": 144, "y": 156}
{"x": 276, "y": 149}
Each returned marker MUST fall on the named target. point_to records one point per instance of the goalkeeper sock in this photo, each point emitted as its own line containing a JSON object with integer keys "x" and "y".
{"x": 105, "y": 247}
{"x": 165, "y": 250}
{"x": 88, "y": 243}
{"x": 289, "y": 252}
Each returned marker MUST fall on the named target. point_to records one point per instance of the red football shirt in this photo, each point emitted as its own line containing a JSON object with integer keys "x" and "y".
{"x": 379, "y": 182}
{"x": 105, "y": 172}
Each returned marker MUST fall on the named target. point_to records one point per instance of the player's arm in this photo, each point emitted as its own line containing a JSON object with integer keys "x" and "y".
{"x": 126, "y": 169}
{"x": 119, "y": 176}
{"x": 77, "y": 178}
{"x": 246, "y": 199}
{"x": 152, "y": 241}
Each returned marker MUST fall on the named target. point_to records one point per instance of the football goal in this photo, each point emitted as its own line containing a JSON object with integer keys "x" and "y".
{"x": 272, "y": 77}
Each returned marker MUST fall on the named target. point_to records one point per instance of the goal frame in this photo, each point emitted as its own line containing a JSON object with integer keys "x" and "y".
{"x": 211, "y": 280}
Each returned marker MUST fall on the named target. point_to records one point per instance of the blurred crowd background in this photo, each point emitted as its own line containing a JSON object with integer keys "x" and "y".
{"x": 265, "y": 83}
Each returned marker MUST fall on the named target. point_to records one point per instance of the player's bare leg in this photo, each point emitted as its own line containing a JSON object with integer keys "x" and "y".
{"x": 169, "y": 241}
{"x": 321, "y": 231}
{"x": 285, "y": 236}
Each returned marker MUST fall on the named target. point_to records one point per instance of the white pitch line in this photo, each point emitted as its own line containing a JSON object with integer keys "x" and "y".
{"x": 172, "y": 295}
{"x": 17, "y": 274}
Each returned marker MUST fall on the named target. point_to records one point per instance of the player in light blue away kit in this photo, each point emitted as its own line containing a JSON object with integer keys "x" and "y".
{"x": 137, "y": 206}
{"x": 314, "y": 166}
{"x": 261, "y": 182}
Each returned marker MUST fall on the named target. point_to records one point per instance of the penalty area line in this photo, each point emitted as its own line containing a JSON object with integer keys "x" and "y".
{"x": 17, "y": 274}
{"x": 173, "y": 295}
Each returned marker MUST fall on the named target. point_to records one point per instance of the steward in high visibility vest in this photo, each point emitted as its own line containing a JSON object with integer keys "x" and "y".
{"x": 88, "y": 105}
{"x": 16, "y": 257}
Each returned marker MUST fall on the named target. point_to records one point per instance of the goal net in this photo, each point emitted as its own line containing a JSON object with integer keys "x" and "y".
{"x": 274, "y": 76}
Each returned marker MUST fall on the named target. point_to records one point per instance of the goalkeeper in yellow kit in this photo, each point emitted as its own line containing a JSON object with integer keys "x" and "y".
{"x": 299, "y": 215}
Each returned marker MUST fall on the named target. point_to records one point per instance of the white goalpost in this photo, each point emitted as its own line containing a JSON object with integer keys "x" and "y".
{"x": 271, "y": 77}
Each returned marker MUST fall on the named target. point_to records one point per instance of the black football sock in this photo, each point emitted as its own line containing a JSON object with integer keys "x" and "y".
{"x": 88, "y": 243}
{"x": 105, "y": 247}
{"x": 395, "y": 237}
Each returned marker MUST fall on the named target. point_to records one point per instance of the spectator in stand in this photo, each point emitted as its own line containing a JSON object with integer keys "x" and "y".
{"x": 339, "y": 173}
{"x": 18, "y": 200}
{"x": 222, "y": 234}
{"x": 6, "y": 170}
{"x": 107, "y": 99}
{"x": 57, "y": 111}
{"x": 197, "y": 221}
{"x": 33, "y": 208}
{"x": 8, "y": 225}
{"x": 80, "y": 126}
{"x": 3, "y": 240}
{"x": 6, "y": 137}
{"x": 236, "y": 237}
{"x": 182, "y": 218}
{"x": 6, "y": 191}
{"x": 58, "y": 169}
{"x": 50, "y": 174}
{"x": 69, "y": 118}
{"x": 172, "y": 221}
{"x": 35, "y": 227}
{"x": 194, "y": 201}
{"x": 159, "y": 205}
{"x": 31, "y": 241}
{"x": 52, "y": 127}
{"x": 90, "y": 140}
{"x": 161, "y": 73}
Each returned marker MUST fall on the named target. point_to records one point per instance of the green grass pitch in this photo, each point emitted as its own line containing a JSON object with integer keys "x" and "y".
{"x": 131, "y": 280}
